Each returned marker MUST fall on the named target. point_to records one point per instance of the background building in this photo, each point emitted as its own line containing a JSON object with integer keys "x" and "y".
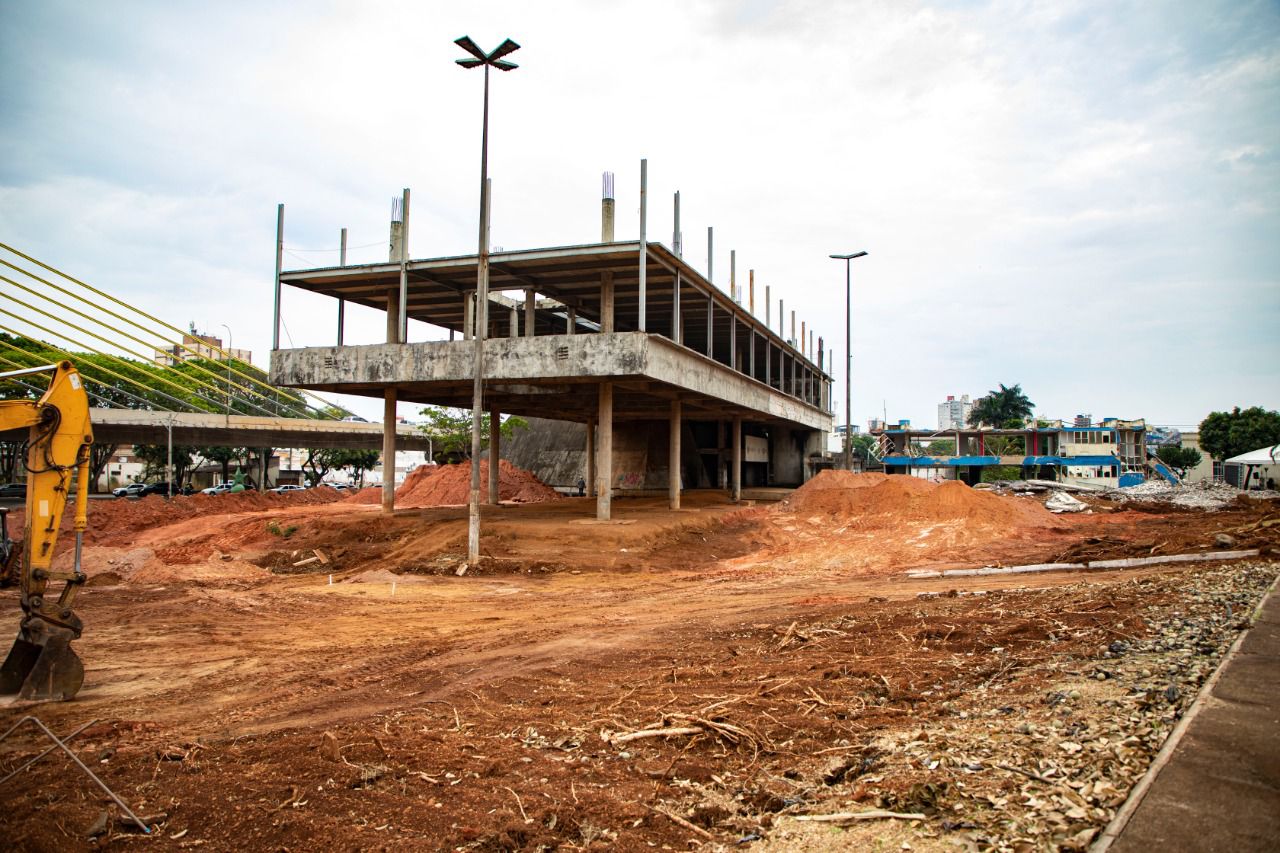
{"x": 953, "y": 413}
{"x": 199, "y": 346}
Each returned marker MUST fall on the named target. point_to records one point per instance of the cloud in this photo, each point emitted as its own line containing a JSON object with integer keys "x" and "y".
{"x": 1057, "y": 194}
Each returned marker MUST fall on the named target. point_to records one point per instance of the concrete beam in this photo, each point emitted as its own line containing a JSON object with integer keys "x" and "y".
{"x": 418, "y": 369}
{"x": 132, "y": 426}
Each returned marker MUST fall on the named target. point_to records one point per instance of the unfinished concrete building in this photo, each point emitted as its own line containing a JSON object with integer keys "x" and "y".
{"x": 624, "y": 337}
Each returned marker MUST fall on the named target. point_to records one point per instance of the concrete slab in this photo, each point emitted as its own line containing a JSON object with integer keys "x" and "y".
{"x": 1220, "y": 788}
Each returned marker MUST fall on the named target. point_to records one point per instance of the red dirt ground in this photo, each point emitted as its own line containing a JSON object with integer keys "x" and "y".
{"x": 468, "y": 712}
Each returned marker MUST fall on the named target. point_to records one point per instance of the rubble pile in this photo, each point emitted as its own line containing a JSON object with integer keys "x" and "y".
{"x": 1208, "y": 494}
{"x": 1044, "y": 760}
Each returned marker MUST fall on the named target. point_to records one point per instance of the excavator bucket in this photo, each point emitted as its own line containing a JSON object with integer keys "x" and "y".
{"x": 42, "y": 666}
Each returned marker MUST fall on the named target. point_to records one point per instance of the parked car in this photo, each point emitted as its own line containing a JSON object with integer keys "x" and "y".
{"x": 158, "y": 489}
{"x": 280, "y": 490}
{"x": 130, "y": 491}
{"x": 220, "y": 489}
{"x": 13, "y": 490}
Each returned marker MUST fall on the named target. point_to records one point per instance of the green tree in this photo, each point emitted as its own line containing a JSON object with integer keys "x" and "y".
{"x": 1180, "y": 459}
{"x": 360, "y": 461}
{"x": 1227, "y": 434}
{"x": 224, "y": 456}
{"x": 1006, "y": 408}
{"x": 156, "y": 458}
{"x": 941, "y": 447}
{"x": 450, "y": 430}
{"x": 862, "y": 444}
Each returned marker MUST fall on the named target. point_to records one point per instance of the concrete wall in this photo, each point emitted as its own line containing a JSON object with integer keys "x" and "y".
{"x": 555, "y": 452}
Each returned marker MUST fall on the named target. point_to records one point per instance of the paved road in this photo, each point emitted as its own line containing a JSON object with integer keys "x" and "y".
{"x": 1220, "y": 790}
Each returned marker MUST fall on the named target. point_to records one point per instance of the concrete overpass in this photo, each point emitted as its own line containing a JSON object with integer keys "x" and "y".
{"x": 130, "y": 426}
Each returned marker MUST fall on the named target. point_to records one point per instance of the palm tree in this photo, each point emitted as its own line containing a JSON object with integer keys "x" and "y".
{"x": 1007, "y": 408}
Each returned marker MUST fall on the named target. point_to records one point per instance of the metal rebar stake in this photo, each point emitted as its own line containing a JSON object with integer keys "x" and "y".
{"x": 60, "y": 745}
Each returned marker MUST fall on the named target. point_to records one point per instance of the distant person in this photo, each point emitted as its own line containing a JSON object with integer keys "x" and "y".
{"x": 582, "y": 487}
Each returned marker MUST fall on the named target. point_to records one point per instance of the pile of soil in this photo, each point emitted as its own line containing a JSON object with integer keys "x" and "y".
{"x": 450, "y": 485}
{"x": 892, "y": 499}
{"x": 109, "y": 519}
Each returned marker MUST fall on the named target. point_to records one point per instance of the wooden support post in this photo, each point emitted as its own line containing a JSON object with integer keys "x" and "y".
{"x": 673, "y": 457}
{"x": 604, "y": 457}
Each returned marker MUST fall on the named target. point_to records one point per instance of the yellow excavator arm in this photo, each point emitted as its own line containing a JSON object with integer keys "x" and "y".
{"x": 41, "y": 664}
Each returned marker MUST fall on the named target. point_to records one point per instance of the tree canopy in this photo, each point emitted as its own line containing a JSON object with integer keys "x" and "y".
{"x": 1227, "y": 434}
{"x": 450, "y": 430}
{"x": 1180, "y": 459}
{"x": 1005, "y": 408}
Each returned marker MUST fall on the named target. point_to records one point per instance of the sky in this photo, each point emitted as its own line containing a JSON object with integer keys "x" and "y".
{"x": 1078, "y": 197}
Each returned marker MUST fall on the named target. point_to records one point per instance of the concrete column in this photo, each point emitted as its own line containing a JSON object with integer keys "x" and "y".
{"x": 751, "y": 360}
{"x": 604, "y": 459}
{"x": 514, "y": 324}
{"x": 733, "y": 341}
{"x": 389, "y": 450}
{"x": 736, "y": 472}
{"x": 711, "y": 328}
{"x": 495, "y": 435}
{"x": 530, "y": 315}
{"x": 591, "y": 458}
{"x": 606, "y": 301}
{"x": 264, "y": 458}
{"x": 571, "y": 320}
{"x": 673, "y": 457}
{"x": 675, "y": 309}
{"x": 768, "y": 362}
{"x": 393, "y": 316}
{"x": 468, "y": 302}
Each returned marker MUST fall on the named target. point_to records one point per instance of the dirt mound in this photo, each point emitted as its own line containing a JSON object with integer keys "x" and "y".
{"x": 450, "y": 485}
{"x": 113, "y": 520}
{"x": 898, "y": 498}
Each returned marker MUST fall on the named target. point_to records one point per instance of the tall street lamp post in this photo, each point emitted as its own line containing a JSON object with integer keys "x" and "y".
{"x": 848, "y": 366}
{"x": 480, "y": 59}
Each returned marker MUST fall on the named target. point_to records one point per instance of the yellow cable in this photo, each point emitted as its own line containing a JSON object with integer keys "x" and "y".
{"x": 72, "y": 356}
{"x": 133, "y": 323}
{"x": 194, "y": 379}
{"x": 123, "y": 304}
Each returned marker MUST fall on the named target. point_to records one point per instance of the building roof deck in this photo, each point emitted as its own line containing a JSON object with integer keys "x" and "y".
{"x": 571, "y": 276}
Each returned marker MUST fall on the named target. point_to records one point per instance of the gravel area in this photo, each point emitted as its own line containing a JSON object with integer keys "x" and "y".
{"x": 1043, "y": 758}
